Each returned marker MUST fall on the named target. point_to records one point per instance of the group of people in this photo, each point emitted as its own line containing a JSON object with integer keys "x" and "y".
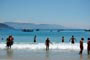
{"x": 10, "y": 41}
{"x": 72, "y": 41}
{"x": 81, "y": 45}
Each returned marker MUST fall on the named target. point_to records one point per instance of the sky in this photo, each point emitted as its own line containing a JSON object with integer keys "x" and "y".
{"x": 68, "y": 13}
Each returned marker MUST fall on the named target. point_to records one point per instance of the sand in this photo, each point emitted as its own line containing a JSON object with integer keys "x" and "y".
{"x": 26, "y": 54}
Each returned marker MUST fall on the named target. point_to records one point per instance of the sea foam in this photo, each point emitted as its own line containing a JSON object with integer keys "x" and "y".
{"x": 36, "y": 46}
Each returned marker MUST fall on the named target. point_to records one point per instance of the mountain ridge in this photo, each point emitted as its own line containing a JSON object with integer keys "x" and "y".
{"x": 18, "y": 25}
{"x": 4, "y": 26}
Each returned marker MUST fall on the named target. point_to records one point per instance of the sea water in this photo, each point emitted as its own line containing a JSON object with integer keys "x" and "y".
{"x": 24, "y": 40}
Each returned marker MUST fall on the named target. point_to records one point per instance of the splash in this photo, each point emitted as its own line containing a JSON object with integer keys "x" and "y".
{"x": 37, "y": 46}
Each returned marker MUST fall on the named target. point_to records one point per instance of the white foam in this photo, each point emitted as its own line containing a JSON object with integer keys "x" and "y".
{"x": 36, "y": 46}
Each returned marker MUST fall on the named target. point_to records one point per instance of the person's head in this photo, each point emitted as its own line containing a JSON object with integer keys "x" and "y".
{"x": 47, "y": 38}
{"x": 62, "y": 36}
{"x": 82, "y": 38}
{"x": 72, "y": 36}
{"x": 35, "y": 36}
{"x": 10, "y": 35}
{"x": 88, "y": 38}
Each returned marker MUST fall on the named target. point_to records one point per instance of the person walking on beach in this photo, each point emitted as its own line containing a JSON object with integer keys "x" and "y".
{"x": 35, "y": 39}
{"x": 88, "y": 45}
{"x": 81, "y": 45}
{"x": 47, "y": 44}
{"x": 9, "y": 41}
{"x": 62, "y": 39}
{"x": 72, "y": 39}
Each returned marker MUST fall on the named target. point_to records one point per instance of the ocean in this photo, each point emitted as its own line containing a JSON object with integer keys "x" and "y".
{"x": 24, "y": 40}
{"x": 25, "y": 49}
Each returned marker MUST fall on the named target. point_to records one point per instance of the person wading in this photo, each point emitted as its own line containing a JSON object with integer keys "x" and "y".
{"x": 47, "y": 43}
{"x": 10, "y": 41}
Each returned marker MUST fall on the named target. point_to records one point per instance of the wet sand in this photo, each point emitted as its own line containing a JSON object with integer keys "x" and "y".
{"x": 12, "y": 54}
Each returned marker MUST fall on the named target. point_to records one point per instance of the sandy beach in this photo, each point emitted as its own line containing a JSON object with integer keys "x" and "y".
{"x": 30, "y": 27}
{"x": 11, "y": 54}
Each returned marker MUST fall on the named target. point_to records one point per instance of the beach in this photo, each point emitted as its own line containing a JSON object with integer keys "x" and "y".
{"x": 10, "y": 54}
{"x": 60, "y": 51}
{"x": 44, "y": 29}
{"x": 25, "y": 49}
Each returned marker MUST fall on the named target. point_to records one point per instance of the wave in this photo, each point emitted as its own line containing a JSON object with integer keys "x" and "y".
{"x": 36, "y": 46}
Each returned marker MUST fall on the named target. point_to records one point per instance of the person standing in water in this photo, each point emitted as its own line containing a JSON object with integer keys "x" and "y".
{"x": 72, "y": 39}
{"x": 47, "y": 43}
{"x": 81, "y": 45}
{"x": 35, "y": 39}
{"x": 62, "y": 39}
{"x": 10, "y": 41}
{"x": 88, "y": 45}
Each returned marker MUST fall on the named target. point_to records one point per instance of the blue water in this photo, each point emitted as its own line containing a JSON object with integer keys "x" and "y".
{"x": 56, "y": 37}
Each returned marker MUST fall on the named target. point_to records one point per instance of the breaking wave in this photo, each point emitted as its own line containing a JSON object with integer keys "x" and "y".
{"x": 36, "y": 46}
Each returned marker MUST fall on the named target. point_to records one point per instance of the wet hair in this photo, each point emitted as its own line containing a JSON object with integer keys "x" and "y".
{"x": 82, "y": 38}
{"x": 10, "y": 35}
{"x": 62, "y": 36}
{"x": 88, "y": 38}
{"x": 72, "y": 36}
{"x": 48, "y": 38}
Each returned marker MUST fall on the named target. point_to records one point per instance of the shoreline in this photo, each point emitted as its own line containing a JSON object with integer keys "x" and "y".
{"x": 12, "y": 54}
{"x": 41, "y": 46}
